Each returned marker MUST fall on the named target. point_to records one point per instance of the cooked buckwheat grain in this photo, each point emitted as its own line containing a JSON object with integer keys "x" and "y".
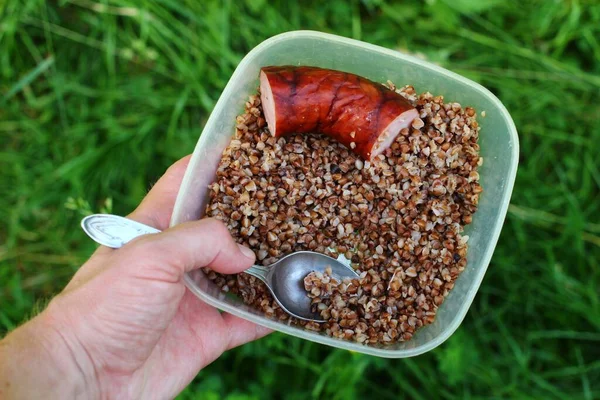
{"x": 398, "y": 219}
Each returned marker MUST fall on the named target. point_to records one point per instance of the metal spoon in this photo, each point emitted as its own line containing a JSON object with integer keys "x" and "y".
{"x": 285, "y": 278}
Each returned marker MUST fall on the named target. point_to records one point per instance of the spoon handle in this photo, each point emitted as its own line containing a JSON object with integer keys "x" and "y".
{"x": 114, "y": 231}
{"x": 260, "y": 272}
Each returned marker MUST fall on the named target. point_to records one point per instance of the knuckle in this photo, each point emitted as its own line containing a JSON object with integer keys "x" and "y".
{"x": 144, "y": 246}
{"x": 147, "y": 249}
{"x": 156, "y": 257}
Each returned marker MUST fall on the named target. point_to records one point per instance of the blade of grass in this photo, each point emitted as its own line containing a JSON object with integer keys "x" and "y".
{"x": 29, "y": 77}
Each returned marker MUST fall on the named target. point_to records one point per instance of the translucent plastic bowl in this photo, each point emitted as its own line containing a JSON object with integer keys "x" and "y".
{"x": 499, "y": 148}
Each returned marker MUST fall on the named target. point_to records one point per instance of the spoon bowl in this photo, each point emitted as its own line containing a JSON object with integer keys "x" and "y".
{"x": 284, "y": 278}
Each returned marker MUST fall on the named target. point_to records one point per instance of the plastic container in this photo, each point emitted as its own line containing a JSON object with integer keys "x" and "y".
{"x": 499, "y": 148}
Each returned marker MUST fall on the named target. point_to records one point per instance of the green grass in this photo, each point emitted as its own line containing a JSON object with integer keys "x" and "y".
{"x": 98, "y": 98}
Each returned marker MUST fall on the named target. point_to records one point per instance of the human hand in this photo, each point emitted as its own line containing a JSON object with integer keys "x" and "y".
{"x": 125, "y": 326}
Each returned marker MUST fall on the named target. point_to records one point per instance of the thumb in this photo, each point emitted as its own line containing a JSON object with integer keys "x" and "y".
{"x": 188, "y": 246}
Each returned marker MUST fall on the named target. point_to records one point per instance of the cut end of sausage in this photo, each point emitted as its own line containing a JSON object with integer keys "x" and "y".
{"x": 390, "y": 133}
{"x": 267, "y": 101}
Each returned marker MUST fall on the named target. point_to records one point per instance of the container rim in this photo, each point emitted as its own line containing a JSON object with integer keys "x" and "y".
{"x": 502, "y": 210}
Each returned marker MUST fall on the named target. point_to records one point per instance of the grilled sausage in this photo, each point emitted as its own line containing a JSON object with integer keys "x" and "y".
{"x": 361, "y": 114}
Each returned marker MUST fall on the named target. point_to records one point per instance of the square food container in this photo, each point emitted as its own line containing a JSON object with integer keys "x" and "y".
{"x": 499, "y": 149}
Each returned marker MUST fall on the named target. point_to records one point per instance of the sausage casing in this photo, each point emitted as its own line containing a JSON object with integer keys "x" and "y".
{"x": 363, "y": 115}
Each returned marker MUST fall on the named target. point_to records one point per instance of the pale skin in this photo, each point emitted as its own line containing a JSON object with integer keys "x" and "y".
{"x": 125, "y": 326}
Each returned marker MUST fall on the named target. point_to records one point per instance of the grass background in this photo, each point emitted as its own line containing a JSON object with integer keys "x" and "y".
{"x": 97, "y": 98}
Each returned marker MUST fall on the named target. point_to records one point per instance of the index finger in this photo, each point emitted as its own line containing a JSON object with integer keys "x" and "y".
{"x": 157, "y": 207}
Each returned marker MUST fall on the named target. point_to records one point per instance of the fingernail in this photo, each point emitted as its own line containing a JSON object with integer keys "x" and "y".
{"x": 247, "y": 252}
